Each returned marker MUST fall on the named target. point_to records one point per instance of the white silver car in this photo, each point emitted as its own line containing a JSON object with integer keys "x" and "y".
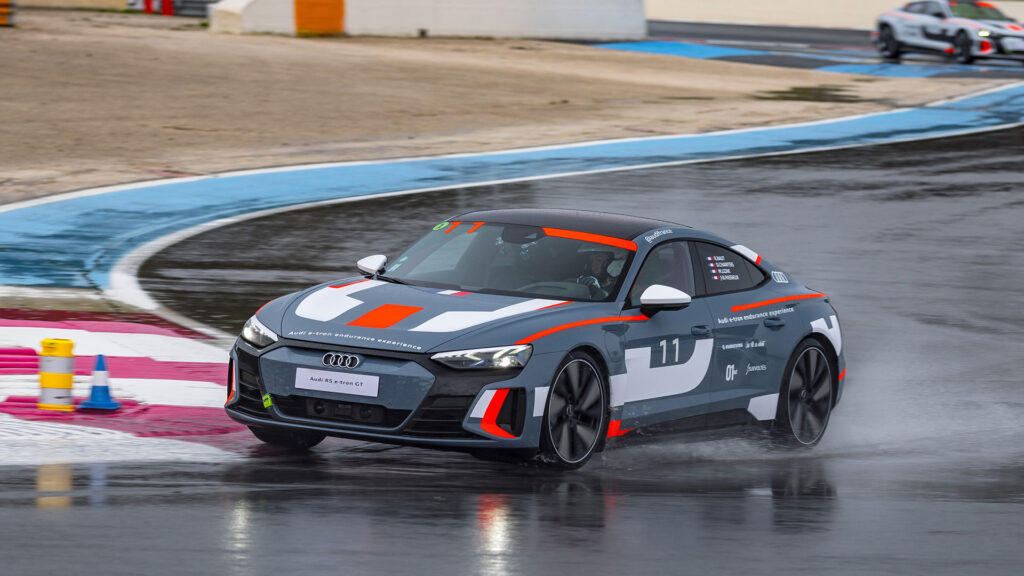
{"x": 963, "y": 30}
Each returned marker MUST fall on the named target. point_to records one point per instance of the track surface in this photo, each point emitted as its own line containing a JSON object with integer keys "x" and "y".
{"x": 834, "y": 50}
{"x": 922, "y": 471}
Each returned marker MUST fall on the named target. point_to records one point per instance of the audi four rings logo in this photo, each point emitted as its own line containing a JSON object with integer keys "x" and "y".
{"x": 341, "y": 360}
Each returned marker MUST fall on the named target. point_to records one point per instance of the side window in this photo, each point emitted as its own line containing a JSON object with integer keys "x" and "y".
{"x": 726, "y": 271}
{"x": 934, "y": 9}
{"x": 914, "y": 7}
{"x": 669, "y": 265}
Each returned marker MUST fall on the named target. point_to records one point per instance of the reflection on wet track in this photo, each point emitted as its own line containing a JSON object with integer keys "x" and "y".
{"x": 922, "y": 471}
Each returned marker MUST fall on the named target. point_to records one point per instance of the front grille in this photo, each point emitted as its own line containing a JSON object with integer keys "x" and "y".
{"x": 336, "y": 411}
{"x": 441, "y": 417}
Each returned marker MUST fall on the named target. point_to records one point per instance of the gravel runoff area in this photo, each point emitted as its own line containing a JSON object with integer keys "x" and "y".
{"x": 96, "y": 98}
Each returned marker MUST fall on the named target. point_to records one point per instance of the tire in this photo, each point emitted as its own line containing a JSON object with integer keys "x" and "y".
{"x": 576, "y": 414}
{"x": 805, "y": 404}
{"x": 889, "y": 47}
{"x": 295, "y": 440}
{"x": 962, "y": 46}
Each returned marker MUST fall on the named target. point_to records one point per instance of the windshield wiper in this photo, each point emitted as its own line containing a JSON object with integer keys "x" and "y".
{"x": 389, "y": 279}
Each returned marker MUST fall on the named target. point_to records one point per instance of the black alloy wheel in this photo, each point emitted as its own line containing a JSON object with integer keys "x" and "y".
{"x": 889, "y": 46}
{"x": 805, "y": 399}
{"x": 576, "y": 416}
{"x": 962, "y": 46}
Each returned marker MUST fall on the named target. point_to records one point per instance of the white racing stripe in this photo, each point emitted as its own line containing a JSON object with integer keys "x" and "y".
{"x": 460, "y": 320}
{"x": 326, "y": 304}
{"x": 642, "y": 382}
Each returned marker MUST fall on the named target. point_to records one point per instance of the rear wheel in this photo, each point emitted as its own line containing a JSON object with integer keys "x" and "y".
{"x": 888, "y": 46}
{"x": 805, "y": 397}
{"x": 962, "y": 47}
{"x": 297, "y": 440}
{"x": 576, "y": 416}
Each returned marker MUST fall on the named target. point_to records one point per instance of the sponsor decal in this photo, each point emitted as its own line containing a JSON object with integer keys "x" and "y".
{"x": 343, "y": 336}
{"x": 755, "y": 344}
{"x": 754, "y": 316}
{"x": 732, "y": 346}
{"x": 730, "y": 372}
{"x": 756, "y": 368}
{"x": 652, "y": 237}
{"x": 779, "y": 277}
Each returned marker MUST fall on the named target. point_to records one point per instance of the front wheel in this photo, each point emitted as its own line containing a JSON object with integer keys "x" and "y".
{"x": 805, "y": 397}
{"x": 889, "y": 47}
{"x": 962, "y": 47}
{"x": 297, "y": 440}
{"x": 576, "y": 416}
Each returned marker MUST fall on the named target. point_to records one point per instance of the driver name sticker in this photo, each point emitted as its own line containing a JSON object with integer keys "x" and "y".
{"x": 337, "y": 382}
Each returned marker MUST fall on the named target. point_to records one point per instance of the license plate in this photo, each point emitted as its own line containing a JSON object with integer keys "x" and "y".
{"x": 1013, "y": 44}
{"x": 337, "y": 382}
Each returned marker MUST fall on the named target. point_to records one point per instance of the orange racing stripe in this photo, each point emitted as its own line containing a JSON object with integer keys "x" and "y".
{"x": 489, "y": 423}
{"x": 549, "y": 331}
{"x": 742, "y": 307}
{"x": 385, "y": 316}
{"x": 588, "y": 237}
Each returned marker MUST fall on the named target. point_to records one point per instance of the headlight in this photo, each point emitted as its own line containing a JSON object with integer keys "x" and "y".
{"x": 255, "y": 333}
{"x": 483, "y": 358}
{"x": 984, "y": 33}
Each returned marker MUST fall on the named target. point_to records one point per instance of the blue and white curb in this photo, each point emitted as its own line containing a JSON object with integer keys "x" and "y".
{"x": 84, "y": 239}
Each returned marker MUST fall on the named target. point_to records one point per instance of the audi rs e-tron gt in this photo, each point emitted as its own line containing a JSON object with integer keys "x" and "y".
{"x": 543, "y": 335}
{"x": 964, "y": 30}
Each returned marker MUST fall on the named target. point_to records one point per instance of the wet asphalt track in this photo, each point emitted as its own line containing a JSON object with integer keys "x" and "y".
{"x": 919, "y": 245}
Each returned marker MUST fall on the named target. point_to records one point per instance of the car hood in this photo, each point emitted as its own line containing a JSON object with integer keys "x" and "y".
{"x": 376, "y": 314}
{"x": 1004, "y": 27}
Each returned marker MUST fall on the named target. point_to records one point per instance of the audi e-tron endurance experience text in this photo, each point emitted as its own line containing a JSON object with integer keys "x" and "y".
{"x": 542, "y": 335}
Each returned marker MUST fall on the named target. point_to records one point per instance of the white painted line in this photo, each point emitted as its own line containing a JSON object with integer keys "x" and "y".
{"x": 156, "y": 346}
{"x": 125, "y": 287}
{"x": 293, "y": 168}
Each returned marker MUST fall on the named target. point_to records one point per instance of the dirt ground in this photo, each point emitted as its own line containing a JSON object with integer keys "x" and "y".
{"x": 94, "y": 98}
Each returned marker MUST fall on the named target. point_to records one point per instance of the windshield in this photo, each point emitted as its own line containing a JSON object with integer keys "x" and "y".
{"x": 517, "y": 260}
{"x": 979, "y": 11}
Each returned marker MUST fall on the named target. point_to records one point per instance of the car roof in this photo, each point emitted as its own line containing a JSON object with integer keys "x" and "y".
{"x": 604, "y": 223}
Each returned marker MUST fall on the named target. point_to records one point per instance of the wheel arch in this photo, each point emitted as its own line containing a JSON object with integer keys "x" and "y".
{"x": 833, "y": 356}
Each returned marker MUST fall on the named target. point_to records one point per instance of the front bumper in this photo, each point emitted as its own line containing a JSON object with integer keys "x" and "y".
{"x": 420, "y": 402}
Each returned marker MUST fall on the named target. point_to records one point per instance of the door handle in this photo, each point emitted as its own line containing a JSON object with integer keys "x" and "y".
{"x": 774, "y": 322}
{"x": 700, "y": 331}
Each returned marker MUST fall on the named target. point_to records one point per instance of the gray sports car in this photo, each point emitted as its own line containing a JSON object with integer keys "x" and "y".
{"x": 542, "y": 335}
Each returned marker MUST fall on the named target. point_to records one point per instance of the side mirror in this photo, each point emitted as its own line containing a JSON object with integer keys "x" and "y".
{"x": 659, "y": 297}
{"x": 372, "y": 265}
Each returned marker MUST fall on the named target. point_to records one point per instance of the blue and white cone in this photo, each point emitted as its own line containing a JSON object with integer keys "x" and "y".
{"x": 99, "y": 397}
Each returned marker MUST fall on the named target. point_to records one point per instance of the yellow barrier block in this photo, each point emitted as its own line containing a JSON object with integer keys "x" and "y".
{"x": 56, "y": 374}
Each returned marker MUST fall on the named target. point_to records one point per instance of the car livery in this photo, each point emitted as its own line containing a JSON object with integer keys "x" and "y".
{"x": 963, "y": 30}
{"x": 542, "y": 334}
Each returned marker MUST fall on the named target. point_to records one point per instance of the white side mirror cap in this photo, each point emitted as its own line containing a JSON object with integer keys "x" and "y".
{"x": 372, "y": 265}
{"x": 660, "y": 296}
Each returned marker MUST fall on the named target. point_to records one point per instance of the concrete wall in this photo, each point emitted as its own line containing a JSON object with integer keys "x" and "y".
{"x": 826, "y": 13}
{"x": 580, "y": 19}
{"x": 587, "y": 19}
{"x": 101, "y": 4}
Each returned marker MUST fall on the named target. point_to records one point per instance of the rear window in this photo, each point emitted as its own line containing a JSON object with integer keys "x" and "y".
{"x": 726, "y": 271}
